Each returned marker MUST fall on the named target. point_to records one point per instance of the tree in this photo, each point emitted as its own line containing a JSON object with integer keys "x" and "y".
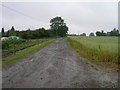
{"x": 91, "y": 34}
{"x": 3, "y": 32}
{"x": 58, "y": 26}
{"x": 114, "y": 32}
{"x": 62, "y": 31}
{"x": 98, "y": 33}
{"x": 83, "y": 34}
{"x": 49, "y": 33}
{"x": 12, "y": 32}
{"x": 102, "y": 33}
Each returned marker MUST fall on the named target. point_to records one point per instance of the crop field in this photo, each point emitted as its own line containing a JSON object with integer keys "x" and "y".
{"x": 16, "y": 49}
{"x": 11, "y": 46}
{"x": 102, "y": 50}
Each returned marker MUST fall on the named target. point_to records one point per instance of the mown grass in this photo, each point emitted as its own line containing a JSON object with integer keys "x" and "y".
{"x": 102, "y": 50}
{"x": 22, "y": 53}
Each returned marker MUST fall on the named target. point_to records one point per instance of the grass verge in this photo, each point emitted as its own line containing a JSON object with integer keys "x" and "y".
{"x": 22, "y": 53}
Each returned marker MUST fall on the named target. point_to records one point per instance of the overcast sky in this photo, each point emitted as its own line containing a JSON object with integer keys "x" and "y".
{"x": 80, "y": 17}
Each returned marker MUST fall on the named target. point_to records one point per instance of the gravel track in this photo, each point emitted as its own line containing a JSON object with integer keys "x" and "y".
{"x": 56, "y": 66}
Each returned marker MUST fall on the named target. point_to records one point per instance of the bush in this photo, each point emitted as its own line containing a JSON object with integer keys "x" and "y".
{"x": 5, "y": 45}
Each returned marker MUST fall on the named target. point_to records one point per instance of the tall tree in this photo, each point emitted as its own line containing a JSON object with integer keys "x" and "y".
{"x": 3, "y": 32}
{"x": 58, "y": 26}
{"x": 12, "y": 32}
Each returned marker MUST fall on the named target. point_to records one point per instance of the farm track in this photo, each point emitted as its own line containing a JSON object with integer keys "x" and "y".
{"x": 56, "y": 66}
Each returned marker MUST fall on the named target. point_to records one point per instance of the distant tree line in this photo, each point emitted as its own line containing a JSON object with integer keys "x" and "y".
{"x": 83, "y": 34}
{"x": 28, "y": 34}
{"x": 114, "y": 32}
{"x": 57, "y": 28}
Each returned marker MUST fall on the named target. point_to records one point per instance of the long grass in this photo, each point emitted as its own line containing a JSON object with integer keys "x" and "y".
{"x": 22, "y": 53}
{"x": 102, "y": 50}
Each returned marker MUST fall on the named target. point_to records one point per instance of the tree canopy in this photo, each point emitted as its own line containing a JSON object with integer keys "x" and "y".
{"x": 12, "y": 32}
{"x": 58, "y": 26}
{"x": 83, "y": 34}
{"x": 91, "y": 34}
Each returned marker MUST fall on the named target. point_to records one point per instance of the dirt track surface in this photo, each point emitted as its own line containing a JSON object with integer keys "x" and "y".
{"x": 56, "y": 66}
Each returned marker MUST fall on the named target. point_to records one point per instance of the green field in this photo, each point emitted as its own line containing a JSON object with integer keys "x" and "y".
{"x": 102, "y": 50}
